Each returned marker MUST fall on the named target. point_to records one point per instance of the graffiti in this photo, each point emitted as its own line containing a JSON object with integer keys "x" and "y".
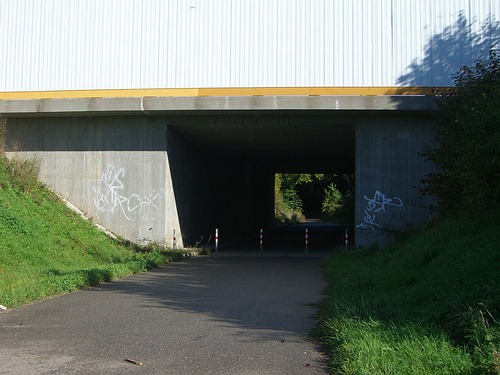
{"x": 375, "y": 206}
{"x": 109, "y": 196}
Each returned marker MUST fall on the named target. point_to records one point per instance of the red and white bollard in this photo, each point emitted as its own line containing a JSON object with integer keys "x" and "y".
{"x": 346, "y": 240}
{"x": 216, "y": 242}
{"x": 307, "y": 241}
{"x": 260, "y": 241}
{"x": 174, "y": 240}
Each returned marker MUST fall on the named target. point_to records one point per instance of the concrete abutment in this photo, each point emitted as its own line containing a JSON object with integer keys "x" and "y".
{"x": 390, "y": 168}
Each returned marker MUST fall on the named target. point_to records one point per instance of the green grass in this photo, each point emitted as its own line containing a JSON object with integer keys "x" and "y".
{"x": 46, "y": 249}
{"x": 427, "y": 305}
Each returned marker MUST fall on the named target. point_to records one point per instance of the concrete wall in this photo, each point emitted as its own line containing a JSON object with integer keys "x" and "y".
{"x": 114, "y": 169}
{"x": 389, "y": 170}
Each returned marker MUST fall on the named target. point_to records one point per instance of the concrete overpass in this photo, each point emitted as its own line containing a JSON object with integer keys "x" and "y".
{"x": 144, "y": 166}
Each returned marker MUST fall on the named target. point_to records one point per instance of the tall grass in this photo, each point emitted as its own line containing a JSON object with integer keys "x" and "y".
{"x": 428, "y": 305}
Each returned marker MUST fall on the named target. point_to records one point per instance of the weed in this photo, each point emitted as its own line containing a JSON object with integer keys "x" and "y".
{"x": 482, "y": 332}
{"x": 24, "y": 173}
{"x": 3, "y": 134}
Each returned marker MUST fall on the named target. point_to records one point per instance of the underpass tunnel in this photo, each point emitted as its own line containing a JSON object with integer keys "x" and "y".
{"x": 223, "y": 167}
{"x": 145, "y": 176}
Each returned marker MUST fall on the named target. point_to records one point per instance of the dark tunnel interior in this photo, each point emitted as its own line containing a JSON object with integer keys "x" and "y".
{"x": 249, "y": 149}
{"x": 283, "y": 142}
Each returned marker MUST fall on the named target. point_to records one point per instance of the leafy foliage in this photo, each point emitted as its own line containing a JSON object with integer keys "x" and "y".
{"x": 332, "y": 201}
{"x": 287, "y": 204}
{"x": 338, "y": 201}
{"x": 467, "y": 144}
{"x": 3, "y": 132}
{"x": 326, "y": 196}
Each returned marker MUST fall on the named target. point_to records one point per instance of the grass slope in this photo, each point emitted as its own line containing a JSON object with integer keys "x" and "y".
{"x": 428, "y": 305}
{"x": 46, "y": 249}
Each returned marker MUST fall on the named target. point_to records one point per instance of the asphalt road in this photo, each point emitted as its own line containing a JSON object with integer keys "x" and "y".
{"x": 205, "y": 315}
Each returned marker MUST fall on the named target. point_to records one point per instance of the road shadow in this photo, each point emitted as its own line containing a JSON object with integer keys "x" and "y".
{"x": 274, "y": 294}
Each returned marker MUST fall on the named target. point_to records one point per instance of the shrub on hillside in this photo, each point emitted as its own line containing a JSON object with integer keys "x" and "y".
{"x": 23, "y": 172}
{"x": 467, "y": 144}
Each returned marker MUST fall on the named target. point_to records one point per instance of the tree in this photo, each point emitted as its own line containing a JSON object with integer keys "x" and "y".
{"x": 466, "y": 152}
{"x": 338, "y": 201}
{"x": 332, "y": 201}
{"x": 326, "y": 196}
{"x": 287, "y": 204}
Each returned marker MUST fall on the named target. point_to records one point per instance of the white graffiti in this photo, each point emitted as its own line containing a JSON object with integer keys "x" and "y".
{"x": 377, "y": 205}
{"x": 109, "y": 196}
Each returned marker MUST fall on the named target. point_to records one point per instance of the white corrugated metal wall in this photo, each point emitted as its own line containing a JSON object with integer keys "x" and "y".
{"x": 122, "y": 44}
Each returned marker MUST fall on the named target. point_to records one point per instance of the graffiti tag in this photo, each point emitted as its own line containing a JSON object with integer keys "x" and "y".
{"x": 109, "y": 196}
{"x": 377, "y": 205}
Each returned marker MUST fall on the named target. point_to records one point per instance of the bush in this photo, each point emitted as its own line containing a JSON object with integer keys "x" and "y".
{"x": 338, "y": 200}
{"x": 287, "y": 204}
{"x": 23, "y": 173}
{"x": 467, "y": 144}
{"x": 3, "y": 131}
